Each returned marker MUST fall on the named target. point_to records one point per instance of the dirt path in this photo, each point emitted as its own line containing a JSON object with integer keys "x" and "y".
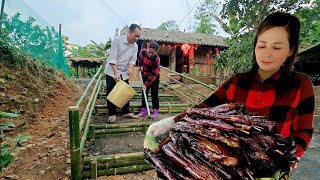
{"x": 46, "y": 155}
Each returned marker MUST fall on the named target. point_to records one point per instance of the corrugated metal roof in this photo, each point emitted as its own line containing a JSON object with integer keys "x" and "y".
{"x": 179, "y": 37}
{"x": 310, "y": 54}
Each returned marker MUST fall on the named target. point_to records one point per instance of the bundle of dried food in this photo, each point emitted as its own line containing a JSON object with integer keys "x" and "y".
{"x": 223, "y": 142}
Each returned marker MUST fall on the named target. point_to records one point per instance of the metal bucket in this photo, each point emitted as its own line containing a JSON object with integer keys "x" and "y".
{"x": 121, "y": 94}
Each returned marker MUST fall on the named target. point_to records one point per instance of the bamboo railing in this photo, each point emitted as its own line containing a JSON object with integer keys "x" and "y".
{"x": 76, "y": 125}
{"x": 187, "y": 77}
{"x": 184, "y": 85}
{"x": 81, "y": 129}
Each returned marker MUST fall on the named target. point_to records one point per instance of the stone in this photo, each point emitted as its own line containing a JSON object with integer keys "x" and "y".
{"x": 13, "y": 176}
{"x": 68, "y": 172}
{"x": 42, "y": 155}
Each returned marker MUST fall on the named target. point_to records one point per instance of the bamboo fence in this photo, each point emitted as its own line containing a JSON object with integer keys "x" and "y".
{"x": 81, "y": 129}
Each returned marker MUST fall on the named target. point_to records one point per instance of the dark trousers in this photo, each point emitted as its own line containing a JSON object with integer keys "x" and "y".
{"x": 111, "y": 107}
{"x": 154, "y": 93}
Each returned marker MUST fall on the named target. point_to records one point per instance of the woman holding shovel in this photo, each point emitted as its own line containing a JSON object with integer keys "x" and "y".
{"x": 149, "y": 63}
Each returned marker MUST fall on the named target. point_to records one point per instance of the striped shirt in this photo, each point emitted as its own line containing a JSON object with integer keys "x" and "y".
{"x": 293, "y": 111}
{"x": 150, "y": 66}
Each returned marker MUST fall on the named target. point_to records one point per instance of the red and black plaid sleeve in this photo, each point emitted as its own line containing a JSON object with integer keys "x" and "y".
{"x": 302, "y": 124}
{"x": 154, "y": 71}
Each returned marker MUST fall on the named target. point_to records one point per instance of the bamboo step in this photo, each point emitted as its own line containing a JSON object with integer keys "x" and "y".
{"x": 139, "y": 91}
{"x": 135, "y": 108}
{"x": 161, "y": 97}
{"x": 139, "y": 88}
{"x": 103, "y": 106}
{"x": 139, "y": 95}
{"x": 119, "y": 170}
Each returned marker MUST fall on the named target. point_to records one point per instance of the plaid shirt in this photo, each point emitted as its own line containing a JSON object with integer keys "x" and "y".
{"x": 293, "y": 111}
{"x": 150, "y": 67}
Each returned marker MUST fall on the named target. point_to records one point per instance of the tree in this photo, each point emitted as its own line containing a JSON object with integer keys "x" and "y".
{"x": 243, "y": 17}
{"x": 38, "y": 42}
{"x": 170, "y": 25}
{"x": 204, "y": 22}
{"x": 310, "y": 24}
{"x": 91, "y": 50}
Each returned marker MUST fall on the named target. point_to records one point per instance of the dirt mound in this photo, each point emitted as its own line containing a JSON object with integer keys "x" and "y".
{"x": 42, "y": 97}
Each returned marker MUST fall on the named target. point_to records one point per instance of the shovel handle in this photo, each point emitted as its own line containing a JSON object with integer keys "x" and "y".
{"x": 144, "y": 94}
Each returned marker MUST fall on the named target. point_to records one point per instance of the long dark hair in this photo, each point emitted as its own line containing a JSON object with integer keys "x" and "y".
{"x": 153, "y": 45}
{"x": 292, "y": 26}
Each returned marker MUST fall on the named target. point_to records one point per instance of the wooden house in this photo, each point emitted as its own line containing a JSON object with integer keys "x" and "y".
{"x": 308, "y": 62}
{"x": 181, "y": 51}
{"x": 84, "y": 66}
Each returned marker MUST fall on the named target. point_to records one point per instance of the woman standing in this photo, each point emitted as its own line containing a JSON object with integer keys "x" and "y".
{"x": 149, "y": 64}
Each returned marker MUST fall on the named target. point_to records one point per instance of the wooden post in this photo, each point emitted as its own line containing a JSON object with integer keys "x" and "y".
{"x": 74, "y": 131}
{"x": 96, "y": 110}
{"x": 1, "y": 13}
{"x": 94, "y": 169}
{"x": 77, "y": 69}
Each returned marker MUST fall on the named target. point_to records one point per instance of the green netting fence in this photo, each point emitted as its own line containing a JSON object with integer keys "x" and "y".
{"x": 24, "y": 29}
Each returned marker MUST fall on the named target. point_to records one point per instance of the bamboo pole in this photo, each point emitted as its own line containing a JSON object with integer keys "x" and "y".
{"x": 125, "y": 125}
{"x": 145, "y": 128}
{"x": 120, "y": 170}
{"x": 161, "y": 110}
{"x": 118, "y": 164}
{"x": 138, "y": 96}
{"x": 74, "y": 142}
{"x": 94, "y": 169}
{"x": 139, "y": 105}
{"x": 92, "y": 133}
{"x": 86, "y": 111}
{"x": 199, "y": 82}
{"x": 114, "y": 157}
{"x": 185, "y": 85}
{"x": 88, "y": 87}
{"x": 117, "y": 134}
{"x": 118, "y": 130}
{"x": 180, "y": 93}
{"x": 86, "y": 130}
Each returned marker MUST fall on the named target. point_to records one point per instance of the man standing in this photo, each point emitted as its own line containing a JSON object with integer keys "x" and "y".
{"x": 120, "y": 63}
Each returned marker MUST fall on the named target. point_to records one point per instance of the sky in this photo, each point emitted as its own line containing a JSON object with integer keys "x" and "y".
{"x": 97, "y": 20}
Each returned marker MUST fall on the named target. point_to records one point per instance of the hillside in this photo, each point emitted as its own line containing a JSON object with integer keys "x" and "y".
{"x": 41, "y": 96}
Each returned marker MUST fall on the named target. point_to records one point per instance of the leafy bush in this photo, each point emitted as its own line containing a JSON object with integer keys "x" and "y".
{"x": 6, "y": 150}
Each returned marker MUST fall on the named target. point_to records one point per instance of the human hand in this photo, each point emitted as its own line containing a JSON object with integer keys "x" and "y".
{"x": 116, "y": 77}
{"x": 144, "y": 87}
{"x": 150, "y": 142}
{"x": 161, "y": 127}
{"x": 129, "y": 71}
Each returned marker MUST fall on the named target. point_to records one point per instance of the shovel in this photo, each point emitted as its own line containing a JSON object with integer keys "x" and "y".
{"x": 145, "y": 97}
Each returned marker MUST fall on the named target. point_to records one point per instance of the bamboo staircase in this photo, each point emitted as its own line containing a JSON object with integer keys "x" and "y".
{"x": 85, "y": 129}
